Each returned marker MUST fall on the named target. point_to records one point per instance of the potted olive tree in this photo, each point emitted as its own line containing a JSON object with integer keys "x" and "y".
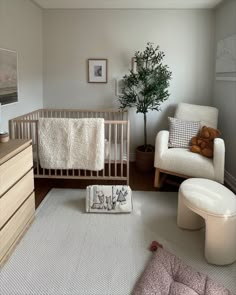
{"x": 146, "y": 88}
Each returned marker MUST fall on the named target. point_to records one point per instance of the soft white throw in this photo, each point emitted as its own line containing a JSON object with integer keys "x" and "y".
{"x": 71, "y": 143}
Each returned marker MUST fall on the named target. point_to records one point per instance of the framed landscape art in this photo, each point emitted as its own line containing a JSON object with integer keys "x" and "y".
{"x": 226, "y": 59}
{"x": 8, "y": 76}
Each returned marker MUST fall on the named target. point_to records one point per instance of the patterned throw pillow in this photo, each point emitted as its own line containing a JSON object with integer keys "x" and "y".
{"x": 181, "y": 132}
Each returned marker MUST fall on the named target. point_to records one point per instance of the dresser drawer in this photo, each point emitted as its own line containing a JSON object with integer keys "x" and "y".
{"x": 15, "y": 168}
{"x": 15, "y": 226}
{"x": 13, "y": 198}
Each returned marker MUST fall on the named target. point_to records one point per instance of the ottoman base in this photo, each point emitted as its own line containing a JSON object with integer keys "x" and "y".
{"x": 220, "y": 237}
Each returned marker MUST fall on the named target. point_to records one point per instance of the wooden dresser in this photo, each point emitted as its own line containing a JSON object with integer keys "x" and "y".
{"x": 17, "y": 202}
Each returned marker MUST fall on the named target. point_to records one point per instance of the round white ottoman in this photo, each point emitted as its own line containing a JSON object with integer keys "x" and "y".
{"x": 202, "y": 199}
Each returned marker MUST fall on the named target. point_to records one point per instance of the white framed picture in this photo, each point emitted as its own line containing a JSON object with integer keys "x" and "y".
{"x": 119, "y": 86}
{"x": 226, "y": 59}
{"x": 97, "y": 70}
{"x": 8, "y": 76}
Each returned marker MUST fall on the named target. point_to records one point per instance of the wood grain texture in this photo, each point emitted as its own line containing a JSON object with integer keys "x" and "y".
{"x": 13, "y": 198}
{"x": 13, "y": 246}
{"x": 12, "y": 148}
{"x": 14, "y": 228}
{"x": 173, "y": 173}
{"x": 17, "y": 199}
{"x": 15, "y": 168}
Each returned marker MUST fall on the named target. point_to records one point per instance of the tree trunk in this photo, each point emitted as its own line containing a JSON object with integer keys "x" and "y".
{"x": 145, "y": 129}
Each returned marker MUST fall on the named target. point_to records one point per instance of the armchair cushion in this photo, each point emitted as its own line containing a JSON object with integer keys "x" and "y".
{"x": 181, "y": 132}
{"x": 184, "y": 162}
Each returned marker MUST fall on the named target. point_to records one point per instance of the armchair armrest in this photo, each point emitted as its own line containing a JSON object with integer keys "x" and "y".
{"x": 161, "y": 145}
{"x": 219, "y": 159}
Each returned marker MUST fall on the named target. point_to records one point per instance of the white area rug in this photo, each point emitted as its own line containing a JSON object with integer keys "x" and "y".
{"x": 68, "y": 251}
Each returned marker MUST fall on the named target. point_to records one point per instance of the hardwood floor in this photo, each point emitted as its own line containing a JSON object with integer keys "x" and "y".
{"x": 138, "y": 181}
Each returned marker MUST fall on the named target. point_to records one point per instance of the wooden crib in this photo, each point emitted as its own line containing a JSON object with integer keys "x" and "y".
{"x": 116, "y": 166}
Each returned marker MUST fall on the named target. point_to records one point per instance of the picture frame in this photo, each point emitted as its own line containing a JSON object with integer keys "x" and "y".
{"x": 8, "y": 76}
{"x": 134, "y": 65}
{"x": 119, "y": 85}
{"x": 225, "y": 66}
{"x": 97, "y": 70}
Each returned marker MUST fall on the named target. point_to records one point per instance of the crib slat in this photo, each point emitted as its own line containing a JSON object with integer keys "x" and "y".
{"x": 109, "y": 151}
{"x": 122, "y": 150}
{"x": 35, "y": 146}
{"x": 105, "y": 146}
{"x": 115, "y": 149}
{"x": 127, "y": 151}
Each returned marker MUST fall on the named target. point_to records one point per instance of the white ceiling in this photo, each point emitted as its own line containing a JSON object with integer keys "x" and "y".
{"x": 127, "y": 4}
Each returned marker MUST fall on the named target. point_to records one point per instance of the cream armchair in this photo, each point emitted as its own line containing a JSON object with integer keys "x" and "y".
{"x": 180, "y": 161}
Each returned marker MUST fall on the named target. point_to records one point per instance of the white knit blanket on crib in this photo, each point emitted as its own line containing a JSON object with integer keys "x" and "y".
{"x": 71, "y": 143}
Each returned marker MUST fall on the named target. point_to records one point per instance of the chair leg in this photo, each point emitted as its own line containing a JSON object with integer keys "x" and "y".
{"x": 157, "y": 178}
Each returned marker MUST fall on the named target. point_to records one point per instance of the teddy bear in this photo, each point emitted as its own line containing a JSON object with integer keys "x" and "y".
{"x": 203, "y": 143}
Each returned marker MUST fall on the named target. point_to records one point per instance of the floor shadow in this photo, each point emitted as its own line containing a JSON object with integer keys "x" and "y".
{"x": 78, "y": 205}
{"x": 166, "y": 228}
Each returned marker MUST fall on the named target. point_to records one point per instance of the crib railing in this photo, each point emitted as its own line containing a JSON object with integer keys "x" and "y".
{"x": 116, "y": 166}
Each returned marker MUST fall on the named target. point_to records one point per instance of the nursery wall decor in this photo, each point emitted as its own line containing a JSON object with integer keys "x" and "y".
{"x": 226, "y": 59}
{"x": 8, "y": 76}
{"x": 97, "y": 70}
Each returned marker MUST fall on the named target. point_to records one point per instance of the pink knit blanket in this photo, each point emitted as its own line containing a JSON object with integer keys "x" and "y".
{"x": 168, "y": 275}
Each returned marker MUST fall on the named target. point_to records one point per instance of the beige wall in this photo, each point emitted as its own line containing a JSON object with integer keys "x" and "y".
{"x": 225, "y": 91}
{"x": 21, "y": 30}
{"x": 71, "y": 37}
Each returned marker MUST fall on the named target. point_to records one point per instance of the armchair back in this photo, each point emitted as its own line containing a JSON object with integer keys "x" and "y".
{"x": 190, "y": 112}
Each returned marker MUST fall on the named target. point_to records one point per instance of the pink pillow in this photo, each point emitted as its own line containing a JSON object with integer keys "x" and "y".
{"x": 166, "y": 274}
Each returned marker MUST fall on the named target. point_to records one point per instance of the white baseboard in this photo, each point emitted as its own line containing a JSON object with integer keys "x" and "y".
{"x": 230, "y": 180}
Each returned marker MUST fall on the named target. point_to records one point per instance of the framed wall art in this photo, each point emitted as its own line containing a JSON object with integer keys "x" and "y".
{"x": 97, "y": 70}
{"x": 119, "y": 85}
{"x": 134, "y": 65}
{"x": 8, "y": 76}
{"x": 226, "y": 59}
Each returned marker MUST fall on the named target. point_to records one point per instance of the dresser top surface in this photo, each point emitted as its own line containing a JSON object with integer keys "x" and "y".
{"x": 12, "y": 148}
